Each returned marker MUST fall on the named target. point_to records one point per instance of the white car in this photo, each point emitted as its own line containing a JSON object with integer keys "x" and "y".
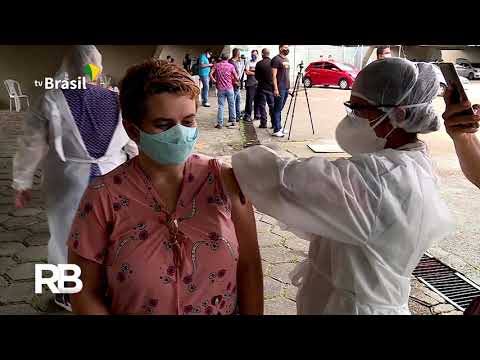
{"x": 465, "y": 68}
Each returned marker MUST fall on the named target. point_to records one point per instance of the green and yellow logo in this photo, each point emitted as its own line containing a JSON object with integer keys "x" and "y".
{"x": 92, "y": 71}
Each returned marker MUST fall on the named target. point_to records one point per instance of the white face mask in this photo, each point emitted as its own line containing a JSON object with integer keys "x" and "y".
{"x": 355, "y": 135}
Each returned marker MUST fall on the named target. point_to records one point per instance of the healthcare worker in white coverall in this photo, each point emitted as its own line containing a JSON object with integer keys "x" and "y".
{"x": 74, "y": 135}
{"x": 369, "y": 218}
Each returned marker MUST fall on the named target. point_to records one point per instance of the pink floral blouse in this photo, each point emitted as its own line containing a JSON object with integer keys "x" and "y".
{"x": 159, "y": 263}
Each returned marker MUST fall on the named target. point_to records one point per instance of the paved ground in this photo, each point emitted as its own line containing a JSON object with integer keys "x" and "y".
{"x": 24, "y": 234}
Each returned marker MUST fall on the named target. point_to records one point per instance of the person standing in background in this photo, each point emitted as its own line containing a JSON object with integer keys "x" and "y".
{"x": 264, "y": 95}
{"x": 242, "y": 78}
{"x": 239, "y": 65}
{"x": 224, "y": 76}
{"x": 251, "y": 88}
{"x": 281, "y": 85}
{"x": 383, "y": 52}
{"x": 204, "y": 67}
{"x": 187, "y": 63}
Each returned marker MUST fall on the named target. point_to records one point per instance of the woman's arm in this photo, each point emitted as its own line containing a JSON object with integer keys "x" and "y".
{"x": 91, "y": 300}
{"x": 249, "y": 270}
{"x": 88, "y": 244}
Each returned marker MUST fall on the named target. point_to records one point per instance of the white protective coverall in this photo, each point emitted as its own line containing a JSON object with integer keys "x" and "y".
{"x": 368, "y": 218}
{"x": 51, "y": 139}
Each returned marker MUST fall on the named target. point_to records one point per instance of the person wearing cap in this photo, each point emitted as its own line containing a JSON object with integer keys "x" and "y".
{"x": 369, "y": 218}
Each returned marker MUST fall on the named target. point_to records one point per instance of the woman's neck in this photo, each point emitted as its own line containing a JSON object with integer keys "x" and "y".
{"x": 158, "y": 172}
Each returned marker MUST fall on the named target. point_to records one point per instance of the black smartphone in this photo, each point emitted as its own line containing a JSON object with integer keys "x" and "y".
{"x": 458, "y": 94}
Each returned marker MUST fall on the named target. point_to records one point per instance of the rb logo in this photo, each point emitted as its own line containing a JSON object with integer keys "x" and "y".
{"x": 58, "y": 275}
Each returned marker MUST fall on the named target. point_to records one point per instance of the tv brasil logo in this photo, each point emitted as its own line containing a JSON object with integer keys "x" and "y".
{"x": 50, "y": 83}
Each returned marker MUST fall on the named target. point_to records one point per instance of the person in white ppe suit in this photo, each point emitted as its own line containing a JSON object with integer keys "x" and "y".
{"x": 369, "y": 218}
{"x": 74, "y": 135}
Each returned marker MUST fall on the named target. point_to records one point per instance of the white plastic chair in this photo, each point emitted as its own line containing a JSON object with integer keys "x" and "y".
{"x": 15, "y": 93}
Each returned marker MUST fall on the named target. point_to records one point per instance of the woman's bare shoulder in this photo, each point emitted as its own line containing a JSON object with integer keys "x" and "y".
{"x": 230, "y": 183}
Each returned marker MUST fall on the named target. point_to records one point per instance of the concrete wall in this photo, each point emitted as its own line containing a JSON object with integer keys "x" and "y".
{"x": 471, "y": 54}
{"x": 118, "y": 58}
{"x": 26, "y": 63}
{"x": 422, "y": 53}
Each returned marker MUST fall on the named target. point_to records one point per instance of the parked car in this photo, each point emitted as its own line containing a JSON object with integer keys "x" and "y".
{"x": 466, "y": 68}
{"x": 328, "y": 73}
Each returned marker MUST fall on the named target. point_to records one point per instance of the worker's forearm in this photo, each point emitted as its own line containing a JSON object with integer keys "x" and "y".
{"x": 468, "y": 152}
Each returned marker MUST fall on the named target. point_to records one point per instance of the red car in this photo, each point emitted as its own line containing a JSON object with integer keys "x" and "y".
{"x": 329, "y": 73}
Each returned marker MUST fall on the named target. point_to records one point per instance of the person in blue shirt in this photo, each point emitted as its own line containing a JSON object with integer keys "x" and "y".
{"x": 204, "y": 67}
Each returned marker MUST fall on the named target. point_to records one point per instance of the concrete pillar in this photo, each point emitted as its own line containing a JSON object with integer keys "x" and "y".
{"x": 158, "y": 51}
{"x": 367, "y": 55}
{"x": 422, "y": 53}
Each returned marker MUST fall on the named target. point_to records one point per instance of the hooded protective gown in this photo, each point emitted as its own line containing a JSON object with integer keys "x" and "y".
{"x": 52, "y": 139}
{"x": 369, "y": 219}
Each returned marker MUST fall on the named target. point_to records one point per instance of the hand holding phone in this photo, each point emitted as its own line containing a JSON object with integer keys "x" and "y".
{"x": 458, "y": 94}
{"x": 457, "y": 124}
{"x": 459, "y": 113}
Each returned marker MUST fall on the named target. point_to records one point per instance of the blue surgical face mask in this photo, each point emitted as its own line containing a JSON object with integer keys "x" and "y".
{"x": 170, "y": 147}
{"x": 254, "y": 57}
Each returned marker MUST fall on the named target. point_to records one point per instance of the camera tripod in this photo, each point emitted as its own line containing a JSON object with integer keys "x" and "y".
{"x": 294, "y": 94}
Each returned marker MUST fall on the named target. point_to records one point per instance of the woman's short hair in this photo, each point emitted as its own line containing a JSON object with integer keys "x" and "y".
{"x": 152, "y": 77}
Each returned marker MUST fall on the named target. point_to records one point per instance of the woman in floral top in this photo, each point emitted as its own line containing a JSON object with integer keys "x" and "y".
{"x": 167, "y": 232}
